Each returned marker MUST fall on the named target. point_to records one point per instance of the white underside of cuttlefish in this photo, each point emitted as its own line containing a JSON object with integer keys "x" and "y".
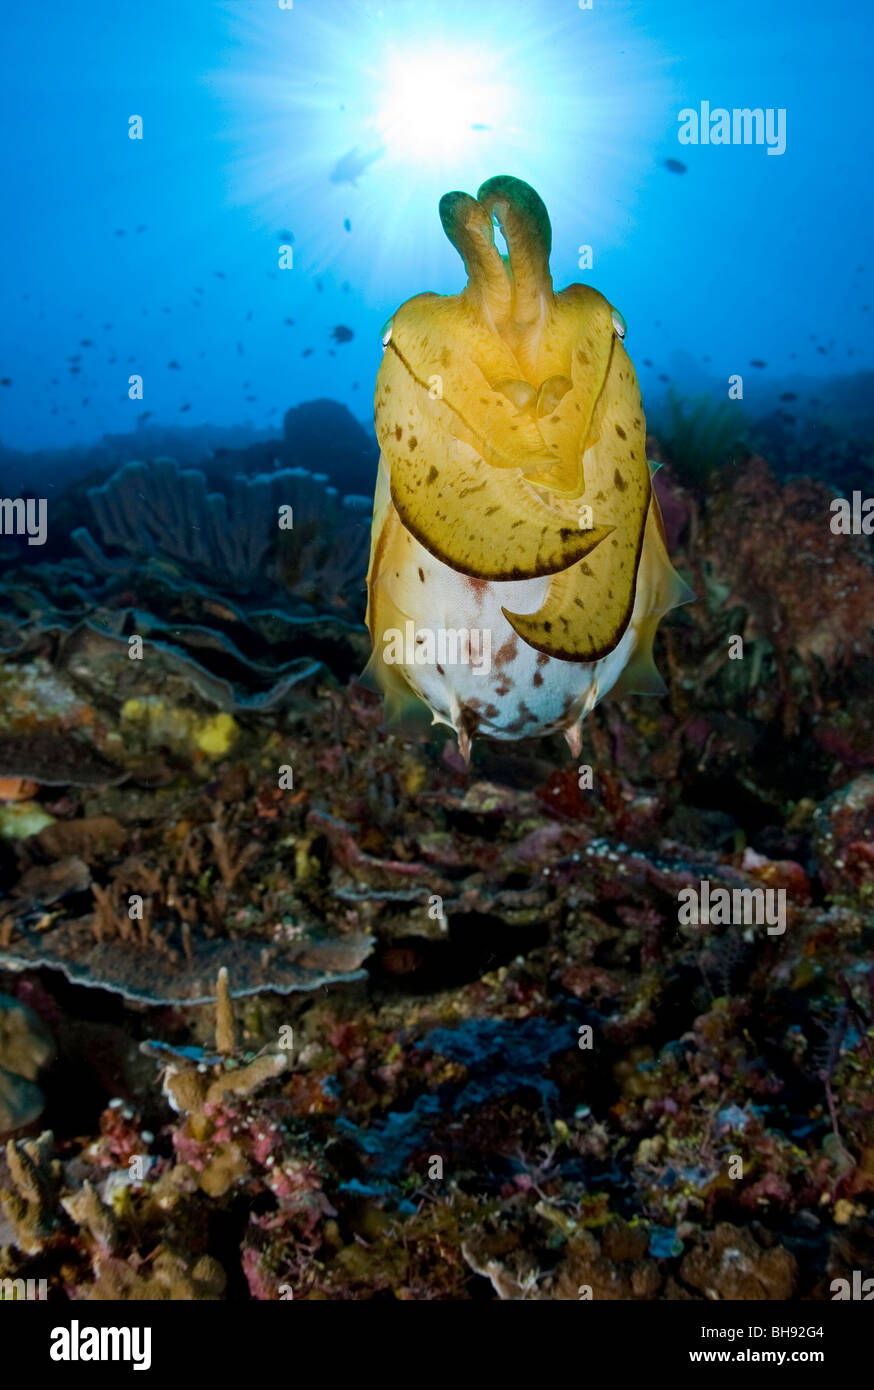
{"x": 518, "y": 567}
{"x": 505, "y": 689}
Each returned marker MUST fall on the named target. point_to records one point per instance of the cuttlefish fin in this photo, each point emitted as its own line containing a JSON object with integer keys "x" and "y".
{"x": 665, "y": 589}
{"x": 382, "y": 613}
{"x": 640, "y": 676}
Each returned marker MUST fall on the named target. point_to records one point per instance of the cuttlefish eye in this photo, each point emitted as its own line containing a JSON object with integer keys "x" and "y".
{"x": 619, "y": 325}
{"x": 386, "y": 334}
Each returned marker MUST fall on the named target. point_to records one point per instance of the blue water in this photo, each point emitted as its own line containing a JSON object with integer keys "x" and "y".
{"x": 166, "y": 249}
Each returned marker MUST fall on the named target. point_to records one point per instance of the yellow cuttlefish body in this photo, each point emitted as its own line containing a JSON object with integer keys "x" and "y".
{"x": 518, "y": 568}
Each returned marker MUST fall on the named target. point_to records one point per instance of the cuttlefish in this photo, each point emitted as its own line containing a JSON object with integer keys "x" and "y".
{"x": 518, "y": 566}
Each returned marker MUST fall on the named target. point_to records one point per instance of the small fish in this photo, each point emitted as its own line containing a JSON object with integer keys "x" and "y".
{"x": 286, "y": 236}
{"x": 674, "y": 165}
{"x": 182, "y": 408}
{"x": 288, "y": 322}
{"x": 219, "y": 274}
{"x": 249, "y": 316}
{"x": 74, "y": 371}
{"x": 307, "y": 352}
{"x": 788, "y": 396}
{"x": 5, "y": 380}
{"x": 319, "y": 286}
{"x": 353, "y": 164}
{"x": 347, "y": 224}
{"x": 143, "y": 416}
{"x": 17, "y": 789}
{"x": 823, "y": 351}
{"x": 757, "y": 362}
{"x": 141, "y": 227}
{"x": 107, "y": 327}
{"x": 345, "y": 287}
{"x": 647, "y": 362}
{"x": 342, "y": 334}
{"x": 119, "y": 231}
{"x": 85, "y": 342}
{"x": 174, "y": 364}
{"x": 240, "y": 349}
{"x": 664, "y": 378}
{"x": 251, "y": 398}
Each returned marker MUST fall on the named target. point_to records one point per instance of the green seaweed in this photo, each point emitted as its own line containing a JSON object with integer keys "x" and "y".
{"x": 700, "y": 435}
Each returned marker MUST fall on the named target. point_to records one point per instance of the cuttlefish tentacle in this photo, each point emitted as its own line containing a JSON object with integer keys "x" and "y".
{"x": 524, "y": 221}
{"x": 469, "y": 227}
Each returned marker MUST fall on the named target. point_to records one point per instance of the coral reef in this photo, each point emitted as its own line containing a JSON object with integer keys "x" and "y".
{"x": 465, "y": 1047}
{"x": 237, "y": 540}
